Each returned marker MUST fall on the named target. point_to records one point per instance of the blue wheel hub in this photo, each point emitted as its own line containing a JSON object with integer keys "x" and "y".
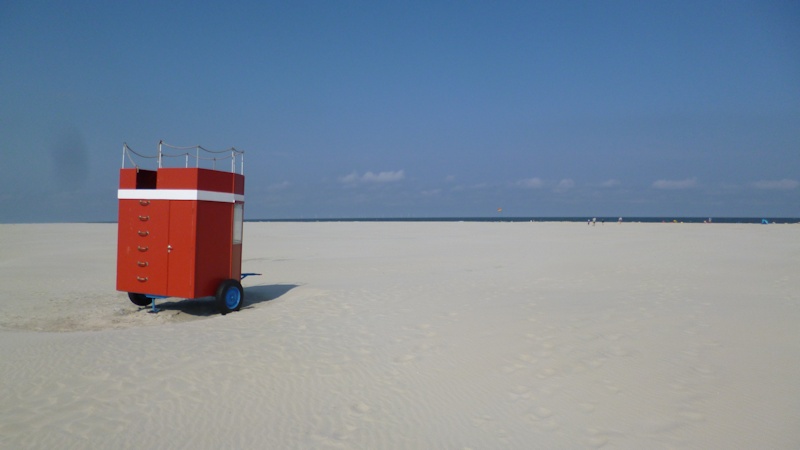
{"x": 232, "y": 298}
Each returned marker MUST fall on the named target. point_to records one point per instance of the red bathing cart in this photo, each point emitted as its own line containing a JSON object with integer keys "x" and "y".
{"x": 180, "y": 228}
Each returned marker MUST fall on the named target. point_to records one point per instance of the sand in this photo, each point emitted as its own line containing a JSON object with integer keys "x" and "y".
{"x": 413, "y": 336}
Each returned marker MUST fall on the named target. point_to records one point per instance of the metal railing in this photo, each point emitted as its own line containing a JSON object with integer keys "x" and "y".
{"x": 200, "y": 155}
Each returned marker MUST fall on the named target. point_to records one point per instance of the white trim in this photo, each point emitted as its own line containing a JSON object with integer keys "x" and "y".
{"x": 179, "y": 194}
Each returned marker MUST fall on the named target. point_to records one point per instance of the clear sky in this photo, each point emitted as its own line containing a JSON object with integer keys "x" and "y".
{"x": 410, "y": 109}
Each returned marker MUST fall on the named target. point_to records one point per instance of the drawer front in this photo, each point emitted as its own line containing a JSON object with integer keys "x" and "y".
{"x": 142, "y": 246}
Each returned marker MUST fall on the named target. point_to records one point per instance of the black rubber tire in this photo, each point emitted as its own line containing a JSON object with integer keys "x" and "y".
{"x": 230, "y": 296}
{"x": 139, "y": 299}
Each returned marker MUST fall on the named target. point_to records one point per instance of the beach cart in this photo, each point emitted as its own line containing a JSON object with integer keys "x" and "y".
{"x": 180, "y": 228}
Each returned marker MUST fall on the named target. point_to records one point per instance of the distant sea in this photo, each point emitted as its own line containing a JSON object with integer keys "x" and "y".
{"x": 757, "y": 220}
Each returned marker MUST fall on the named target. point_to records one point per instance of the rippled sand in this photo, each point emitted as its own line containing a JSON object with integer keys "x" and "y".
{"x": 413, "y": 335}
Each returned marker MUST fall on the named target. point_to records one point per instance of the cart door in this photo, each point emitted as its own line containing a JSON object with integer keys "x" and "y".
{"x": 181, "y": 249}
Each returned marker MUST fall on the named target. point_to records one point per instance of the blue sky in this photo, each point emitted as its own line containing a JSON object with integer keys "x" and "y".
{"x": 410, "y": 109}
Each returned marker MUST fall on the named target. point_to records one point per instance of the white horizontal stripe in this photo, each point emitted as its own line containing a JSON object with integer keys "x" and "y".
{"x": 178, "y": 194}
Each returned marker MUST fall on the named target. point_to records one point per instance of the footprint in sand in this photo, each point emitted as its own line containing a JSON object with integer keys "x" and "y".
{"x": 408, "y": 357}
{"x": 616, "y": 350}
{"x": 691, "y": 353}
{"x": 694, "y": 416}
{"x": 611, "y": 387}
{"x": 511, "y": 368}
{"x": 487, "y": 424}
{"x": 542, "y": 418}
{"x": 527, "y": 358}
{"x": 423, "y": 347}
{"x": 549, "y": 425}
{"x": 520, "y": 392}
{"x": 597, "y": 441}
{"x": 704, "y": 370}
{"x": 542, "y": 412}
{"x": 596, "y": 362}
{"x": 361, "y": 408}
{"x": 483, "y": 422}
{"x": 587, "y": 407}
{"x": 546, "y": 373}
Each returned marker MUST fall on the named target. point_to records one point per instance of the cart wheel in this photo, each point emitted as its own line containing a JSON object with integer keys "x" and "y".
{"x": 230, "y": 296}
{"x": 139, "y": 299}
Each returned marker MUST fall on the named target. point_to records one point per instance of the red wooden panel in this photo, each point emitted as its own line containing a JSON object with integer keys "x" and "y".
{"x": 236, "y": 261}
{"x": 183, "y": 242}
{"x": 127, "y": 178}
{"x": 200, "y": 179}
{"x": 141, "y": 246}
{"x": 212, "y": 180}
{"x": 214, "y": 237}
{"x": 171, "y": 178}
{"x": 238, "y": 184}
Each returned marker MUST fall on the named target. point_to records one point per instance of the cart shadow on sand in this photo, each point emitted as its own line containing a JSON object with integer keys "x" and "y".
{"x": 207, "y": 306}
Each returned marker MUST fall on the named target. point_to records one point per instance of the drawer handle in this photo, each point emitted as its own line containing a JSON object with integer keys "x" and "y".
{"x": 143, "y": 233}
{"x": 144, "y": 218}
{"x": 144, "y": 202}
{"x": 142, "y": 263}
{"x": 141, "y": 279}
{"x": 142, "y": 249}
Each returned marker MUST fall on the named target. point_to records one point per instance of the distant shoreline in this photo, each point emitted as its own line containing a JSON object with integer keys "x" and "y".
{"x": 600, "y": 220}
{"x": 752, "y": 220}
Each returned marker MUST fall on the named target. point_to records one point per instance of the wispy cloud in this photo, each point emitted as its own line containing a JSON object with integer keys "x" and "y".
{"x": 372, "y": 177}
{"x": 783, "y": 185}
{"x": 383, "y": 177}
{"x": 565, "y": 184}
{"x": 278, "y": 186}
{"x": 471, "y": 187}
{"x": 530, "y": 183}
{"x": 349, "y": 178}
{"x": 610, "y": 183}
{"x": 675, "y": 184}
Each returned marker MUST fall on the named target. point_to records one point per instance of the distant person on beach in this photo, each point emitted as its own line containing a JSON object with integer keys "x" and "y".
{"x": 620, "y": 220}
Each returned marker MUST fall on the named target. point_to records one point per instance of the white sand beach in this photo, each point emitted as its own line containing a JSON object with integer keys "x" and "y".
{"x": 413, "y": 336}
